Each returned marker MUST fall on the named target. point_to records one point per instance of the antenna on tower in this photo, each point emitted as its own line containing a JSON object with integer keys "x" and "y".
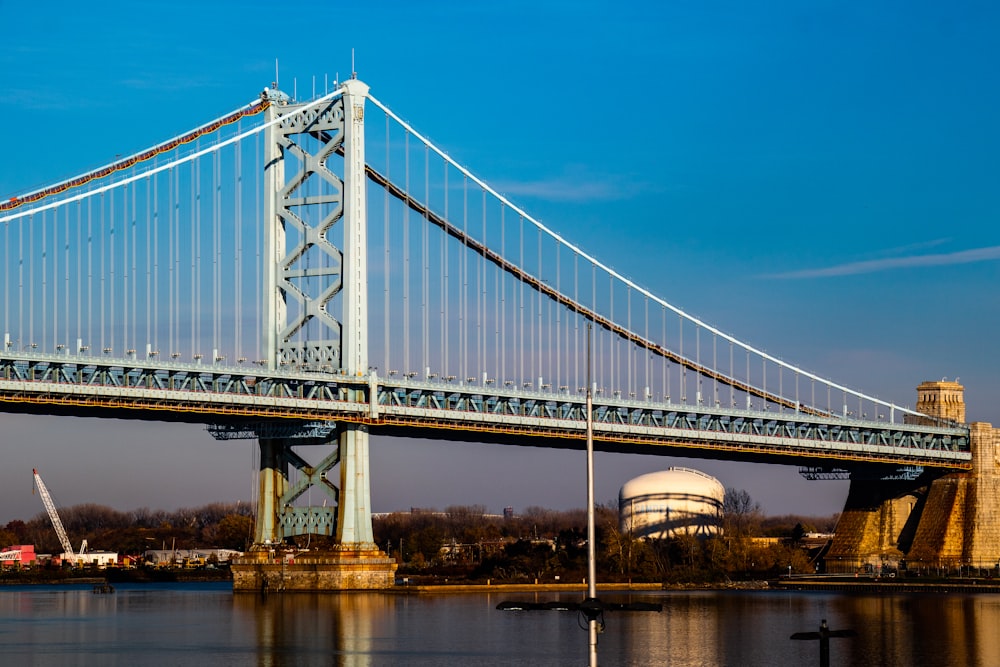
{"x": 276, "y": 74}
{"x": 354, "y": 73}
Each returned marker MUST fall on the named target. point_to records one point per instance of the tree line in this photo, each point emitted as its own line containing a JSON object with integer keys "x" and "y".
{"x": 223, "y": 525}
{"x": 464, "y": 542}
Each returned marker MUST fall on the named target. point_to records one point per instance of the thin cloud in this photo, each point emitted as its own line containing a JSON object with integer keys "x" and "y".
{"x": 574, "y": 189}
{"x": 892, "y": 263}
{"x": 913, "y": 247}
{"x": 567, "y": 190}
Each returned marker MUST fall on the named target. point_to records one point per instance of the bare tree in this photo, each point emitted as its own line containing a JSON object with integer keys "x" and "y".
{"x": 741, "y": 514}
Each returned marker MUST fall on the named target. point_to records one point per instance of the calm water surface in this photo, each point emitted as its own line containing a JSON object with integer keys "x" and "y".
{"x": 206, "y": 624}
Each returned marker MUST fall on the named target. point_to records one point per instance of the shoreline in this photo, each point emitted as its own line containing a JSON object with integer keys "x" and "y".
{"x": 617, "y": 587}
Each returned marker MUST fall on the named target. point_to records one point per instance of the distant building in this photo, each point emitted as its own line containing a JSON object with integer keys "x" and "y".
{"x": 677, "y": 501}
{"x": 98, "y": 558}
{"x": 18, "y": 555}
{"x": 168, "y": 557}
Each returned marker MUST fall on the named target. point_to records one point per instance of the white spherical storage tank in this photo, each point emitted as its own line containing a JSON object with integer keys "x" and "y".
{"x": 672, "y": 502}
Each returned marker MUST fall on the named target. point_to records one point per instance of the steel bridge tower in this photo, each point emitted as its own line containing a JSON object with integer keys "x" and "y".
{"x": 307, "y": 275}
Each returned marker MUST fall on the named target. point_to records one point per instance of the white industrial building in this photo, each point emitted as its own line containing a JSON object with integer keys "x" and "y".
{"x": 672, "y": 502}
{"x": 98, "y": 558}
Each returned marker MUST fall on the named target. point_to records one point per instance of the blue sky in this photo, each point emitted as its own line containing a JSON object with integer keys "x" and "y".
{"x": 819, "y": 180}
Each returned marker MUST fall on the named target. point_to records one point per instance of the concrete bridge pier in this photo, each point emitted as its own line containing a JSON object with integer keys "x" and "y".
{"x": 354, "y": 562}
{"x": 949, "y": 521}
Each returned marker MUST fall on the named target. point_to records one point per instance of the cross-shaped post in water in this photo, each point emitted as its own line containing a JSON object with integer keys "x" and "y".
{"x": 823, "y": 636}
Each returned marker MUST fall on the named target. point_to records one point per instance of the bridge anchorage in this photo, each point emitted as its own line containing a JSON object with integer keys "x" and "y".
{"x": 482, "y": 317}
{"x": 928, "y": 519}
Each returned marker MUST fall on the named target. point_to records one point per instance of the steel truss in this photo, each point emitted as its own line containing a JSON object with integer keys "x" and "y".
{"x": 219, "y": 394}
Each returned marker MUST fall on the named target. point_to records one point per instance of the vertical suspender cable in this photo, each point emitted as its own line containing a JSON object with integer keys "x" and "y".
{"x": 152, "y": 262}
{"x": 482, "y": 283}
{"x": 239, "y": 351}
{"x": 557, "y": 378}
{"x": 593, "y": 309}
{"x": 732, "y": 374}
{"x": 100, "y": 225}
{"x": 425, "y": 269}
{"x": 123, "y": 277}
{"x": 128, "y": 298}
{"x": 172, "y": 232}
{"x": 66, "y": 286}
{"x": 613, "y": 370}
{"x": 258, "y": 236}
{"x": 749, "y": 383}
{"x": 387, "y": 275}
{"x": 43, "y": 301}
{"x": 464, "y": 268}
{"x": 697, "y": 355}
{"x": 576, "y": 321}
{"x": 630, "y": 387}
{"x": 497, "y": 352}
{"x": 56, "y": 339}
{"x": 21, "y": 228}
{"x": 79, "y": 272}
{"x": 539, "y": 354}
{"x": 781, "y": 391}
{"x": 763, "y": 365}
{"x": 481, "y": 296}
{"x": 797, "y": 404}
{"x": 406, "y": 259}
{"x": 195, "y": 253}
{"x": 112, "y": 299}
{"x": 132, "y": 268}
{"x": 532, "y": 295}
{"x": 446, "y": 270}
{"x": 715, "y": 367}
{"x": 503, "y": 371}
{"x": 648, "y": 361}
{"x": 216, "y": 252}
{"x": 6, "y": 279}
{"x": 665, "y": 362}
{"x": 520, "y": 300}
{"x": 682, "y": 371}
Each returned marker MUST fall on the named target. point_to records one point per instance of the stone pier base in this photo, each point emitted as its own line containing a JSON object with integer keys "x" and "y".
{"x": 950, "y": 521}
{"x": 340, "y": 570}
{"x": 877, "y": 525}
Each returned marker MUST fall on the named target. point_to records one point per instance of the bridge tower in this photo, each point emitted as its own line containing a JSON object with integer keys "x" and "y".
{"x": 941, "y": 400}
{"x": 960, "y": 525}
{"x": 951, "y": 520}
{"x": 308, "y": 278}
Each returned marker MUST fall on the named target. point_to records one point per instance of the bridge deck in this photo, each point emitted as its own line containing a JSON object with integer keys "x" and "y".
{"x": 218, "y": 394}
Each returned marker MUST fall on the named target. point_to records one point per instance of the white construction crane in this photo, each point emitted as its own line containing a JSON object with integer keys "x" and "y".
{"x": 50, "y": 507}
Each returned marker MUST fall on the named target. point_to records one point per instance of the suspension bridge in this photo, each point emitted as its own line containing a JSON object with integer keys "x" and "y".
{"x": 307, "y": 272}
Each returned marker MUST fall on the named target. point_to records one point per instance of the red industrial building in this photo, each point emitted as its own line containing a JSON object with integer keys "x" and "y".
{"x": 18, "y": 555}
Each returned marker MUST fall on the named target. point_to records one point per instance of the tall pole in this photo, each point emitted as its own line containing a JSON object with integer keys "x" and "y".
{"x": 591, "y": 532}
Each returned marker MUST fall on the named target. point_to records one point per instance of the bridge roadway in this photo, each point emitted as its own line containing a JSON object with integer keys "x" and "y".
{"x": 240, "y": 397}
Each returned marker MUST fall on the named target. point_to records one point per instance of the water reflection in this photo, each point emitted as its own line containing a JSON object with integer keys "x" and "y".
{"x": 340, "y": 628}
{"x": 205, "y": 625}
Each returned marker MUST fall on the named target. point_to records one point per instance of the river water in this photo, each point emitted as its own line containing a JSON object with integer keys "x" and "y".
{"x": 206, "y": 624}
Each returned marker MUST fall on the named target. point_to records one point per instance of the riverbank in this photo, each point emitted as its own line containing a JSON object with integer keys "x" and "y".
{"x": 882, "y": 585}
{"x": 112, "y": 575}
{"x": 575, "y": 587}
